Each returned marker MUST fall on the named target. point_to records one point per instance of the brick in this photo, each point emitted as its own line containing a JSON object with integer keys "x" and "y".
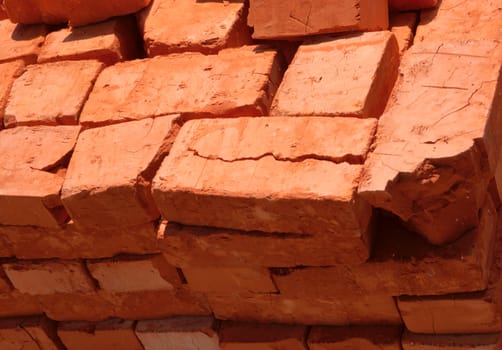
{"x": 449, "y": 22}
{"x": 448, "y": 144}
{"x": 451, "y": 342}
{"x": 76, "y": 12}
{"x": 229, "y": 279}
{"x": 233, "y": 83}
{"x": 135, "y": 274}
{"x": 109, "y": 42}
{"x": 276, "y": 19}
{"x": 14, "y": 304}
{"x": 57, "y": 92}
{"x": 187, "y": 333}
{"x": 10, "y": 71}
{"x": 170, "y": 26}
{"x": 248, "y": 336}
{"x": 111, "y": 334}
{"x": 72, "y": 242}
{"x": 406, "y": 5}
{"x": 49, "y": 277}
{"x": 32, "y": 174}
{"x": 36, "y": 332}
{"x": 402, "y": 263}
{"x": 245, "y": 166}
{"x": 5, "y": 286}
{"x": 108, "y": 185}
{"x": 355, "y": 337}
{"x": 3, "y": 14}
{"x": 21, "y": 41}
{"x": 276, "y": 308}
{"x": 367, "y": 67}
{"x": 403, "y": 26}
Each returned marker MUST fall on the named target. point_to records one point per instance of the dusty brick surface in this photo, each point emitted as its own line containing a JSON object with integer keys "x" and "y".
{"x": 75, "y": 12}
{"x": 404, "y": 5}
{"x": 450, "y": 342}
{"x": 49, "y": 277}
{"x": 246, "y": 166}
{"x": 248, "y": 336}
{"x": 450, "y": 22}
{"x": 51, "y": 94}
{"x": 36, "y": 333}
{"x": 30, "y": 181}
{"x": 109, "y": 42}
{"x": 229, "y": 280}
{"x": 108, "y": 180}
{"x": 14, "y": 303}
{"x": 235, "y": 82}
{"x": 190, "y": 333}
{"x": 449, "y": 143}
{"x": 366, "y": 69}
{"x": 170, "y": 26}
{"x": 134, "y": 275}
{"x": 275, "y": 19}
{"x": 402, "y": 264}
{"x": 276, "y": 308}
{"x": 21, "y": 41}
{"x": 355, "y": 337}
{"x": 9, "y": 71}
{"x": 403, "y": 25}
{"x": 112, "y": 334}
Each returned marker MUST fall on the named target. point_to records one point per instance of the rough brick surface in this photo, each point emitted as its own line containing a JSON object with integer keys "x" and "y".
{"x": 402, "y": 264}
{"x": 170, "y": 26}
{"x": 246, "y": 166}
{"x": 404, "y": 5}
{"x": 112, "y": 334}
{"x": 403, "y": 25}
{"x": 235, "y": 82}
{"x": 433, "y": 167}
{"x": 21, "y": 41}
{"x": 275, "y": 19}
{"x": 451, "y": 342}
{"x": 9, "y": 71}
{"x": 51, "y": 94}
{"x": 109, "y": 42}
{"x": 366, "y": 69}
{"x": 30, "y": 183}
{"x": 248, "y": 336}
{"x": 14, "y": 303}
{"x": 458, "y": 20}
{"x": 4, "y": 282}
{"x": 229, "y": 280}
{"x": 109, "y": 175}
{"x": 187, "y": 333}
{"x": 360, "y": 337}
{"x": 75, "y": 12}
{"x": 31, "y": 333}
{"x": 275, "y": 308}
{"x": 49, "y": 277}
{"x": 134, "y": 275}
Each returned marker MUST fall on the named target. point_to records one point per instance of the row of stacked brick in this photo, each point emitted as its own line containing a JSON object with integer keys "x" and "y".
{"x": 307, "y": 216}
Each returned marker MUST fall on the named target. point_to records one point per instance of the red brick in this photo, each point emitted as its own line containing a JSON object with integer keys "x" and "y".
{"x": 14, "y": 303}
{"x": 451, "y": 342}
{"x": 170, "y": 26}
{"x": 135, "y": 274}
{"x": 267, "y": 172}
{"x": 108, "y": 184}
{"x": 433, "y": 167}
{"x": 366, "y": 69}
{"x": 276, "y": 19}
{"x": 37, "y": 333}
{"x": 51, "y": 94}
{"x": 9, "y": 71}
{"x": 402, "y": 263}
{"x": 3, "y": 14}
{"x": 403, "y": 26}
{"x": 109, "y": 42}
{"x": 107, "y": 335}
{"x": 248, "y": 336}
{"x": 31, "y": 174}
{"x": 405, "y": 5}
{"x": 21, "y": 41}
{"x": 229, "y": 279}
{"x": 49, "y": 277}
{"x": 459, "y": 20}
{"x": 75, "y": 12}
{"x": 77, "y": 306}
{"x": 276, "y": 308}
{"x": 355, "y": 337}
{"x": 187, "y": 333}
{"x": 235, "y": 82}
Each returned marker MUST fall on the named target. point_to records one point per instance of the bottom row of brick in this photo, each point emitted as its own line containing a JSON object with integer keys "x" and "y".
{"x": 205, "y": 333}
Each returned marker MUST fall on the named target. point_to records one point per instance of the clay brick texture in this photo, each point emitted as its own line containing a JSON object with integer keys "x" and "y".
{"x": 250, "y": 175}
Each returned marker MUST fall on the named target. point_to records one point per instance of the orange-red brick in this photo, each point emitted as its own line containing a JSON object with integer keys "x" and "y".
{"x": 21, "y": 41}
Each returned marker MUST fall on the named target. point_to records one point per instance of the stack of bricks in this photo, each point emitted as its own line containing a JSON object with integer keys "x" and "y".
{"x": 300, "y": 175}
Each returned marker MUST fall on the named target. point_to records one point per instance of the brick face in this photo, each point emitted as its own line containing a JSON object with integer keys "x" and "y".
{"x": 10, "y": 71}
{"x": 355, "y": 337}
{"x": 20, "y": 41}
